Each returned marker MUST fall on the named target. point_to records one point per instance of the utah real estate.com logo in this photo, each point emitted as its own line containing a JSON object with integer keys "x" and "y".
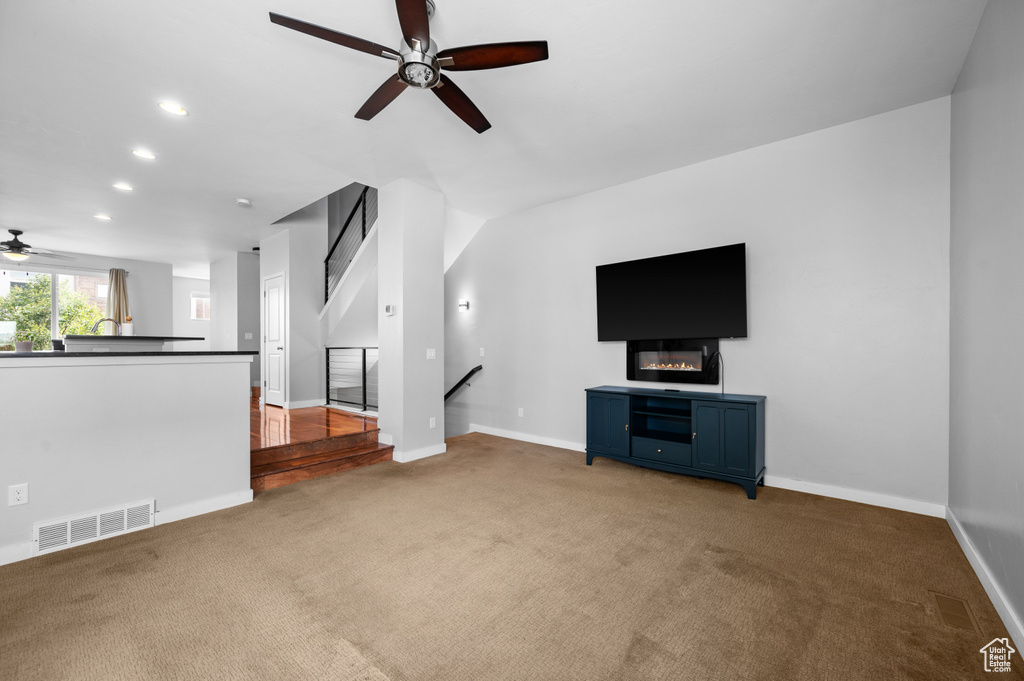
{"x": 997, "y": 655}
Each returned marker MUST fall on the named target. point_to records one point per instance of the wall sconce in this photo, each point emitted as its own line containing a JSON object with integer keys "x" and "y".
{"x": 463, "y": 303}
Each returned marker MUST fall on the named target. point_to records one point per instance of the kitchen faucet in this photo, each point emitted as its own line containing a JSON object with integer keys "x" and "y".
{"x": 107, "y": 319}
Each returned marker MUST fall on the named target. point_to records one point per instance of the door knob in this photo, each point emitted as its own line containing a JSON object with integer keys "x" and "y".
{"x": 280, "y": 348}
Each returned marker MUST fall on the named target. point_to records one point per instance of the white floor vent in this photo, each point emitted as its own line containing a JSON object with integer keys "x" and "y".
{"x": 54, "y": 535}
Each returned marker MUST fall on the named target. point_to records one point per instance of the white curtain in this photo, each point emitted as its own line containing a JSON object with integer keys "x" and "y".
{"x": 117, "y": 299}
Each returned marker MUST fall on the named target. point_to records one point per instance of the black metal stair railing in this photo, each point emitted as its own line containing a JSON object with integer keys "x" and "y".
{"x": 352, "y": 377}
{"x": 359, "y": 222}
{"x": 465, "y": 379}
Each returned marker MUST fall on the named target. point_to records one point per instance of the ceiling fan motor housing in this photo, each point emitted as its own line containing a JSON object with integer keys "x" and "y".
{"x": 417, "y": 66}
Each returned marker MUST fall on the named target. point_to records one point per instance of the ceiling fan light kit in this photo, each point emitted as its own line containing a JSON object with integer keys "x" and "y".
{"x": 17, "y": 250}
{"x": 419, "y": 67}
{"x": 420, "y": 64}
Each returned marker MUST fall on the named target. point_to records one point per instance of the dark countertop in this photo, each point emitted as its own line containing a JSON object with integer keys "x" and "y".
{"x": 100, "y": 337}
{"x": 56, "y": 355}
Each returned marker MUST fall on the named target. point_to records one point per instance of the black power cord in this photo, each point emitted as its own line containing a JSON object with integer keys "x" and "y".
{"x": 720, "y": 367}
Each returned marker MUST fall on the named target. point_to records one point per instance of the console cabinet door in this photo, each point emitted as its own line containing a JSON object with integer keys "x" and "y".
{"x": 722, "y": 437}
{"x": 707, "y": 436}
{"x": 608, "y": 423}
{"x": 736, "y": 443}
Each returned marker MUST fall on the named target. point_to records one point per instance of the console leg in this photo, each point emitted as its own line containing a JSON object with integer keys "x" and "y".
{"x": 590, "y": 458}
{"x": 751, "y": 490}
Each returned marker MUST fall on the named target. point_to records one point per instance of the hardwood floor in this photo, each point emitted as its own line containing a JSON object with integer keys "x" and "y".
{"x": 274, "y": 426}
{"x": 291, "y": 445}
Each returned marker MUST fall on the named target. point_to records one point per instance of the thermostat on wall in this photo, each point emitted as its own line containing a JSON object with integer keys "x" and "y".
{"x": 389, "y": 310}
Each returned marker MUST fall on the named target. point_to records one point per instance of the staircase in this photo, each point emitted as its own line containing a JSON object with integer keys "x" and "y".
{"x": 286, "y": 464}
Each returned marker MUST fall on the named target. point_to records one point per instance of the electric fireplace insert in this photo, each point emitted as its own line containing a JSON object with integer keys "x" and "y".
{"x": 673, "y": 361}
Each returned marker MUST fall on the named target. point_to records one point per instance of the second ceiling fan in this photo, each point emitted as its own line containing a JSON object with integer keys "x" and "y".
{"x": 420, "y": 63}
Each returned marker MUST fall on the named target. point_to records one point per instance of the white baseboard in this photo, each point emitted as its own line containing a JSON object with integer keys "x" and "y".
{"x": 861, "y": 496}
{"x": 1011, "y": 619}
{"x": 302, "y": 404}
{"x": 169, "y": 515}
{"x": 12, "y": 553}
{"x": 421, "y": 453}
{"x": 352, "y": 410}
{"x": 528, "y": 437}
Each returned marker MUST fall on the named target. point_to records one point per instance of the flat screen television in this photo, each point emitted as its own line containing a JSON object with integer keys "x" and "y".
{"x": 697, "y": 294}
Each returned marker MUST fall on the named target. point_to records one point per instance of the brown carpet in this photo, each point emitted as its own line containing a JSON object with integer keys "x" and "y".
{"x": 504, "y": 560}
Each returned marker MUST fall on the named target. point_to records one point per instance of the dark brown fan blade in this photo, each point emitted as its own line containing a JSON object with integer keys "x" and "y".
{"x": 384, "y": 95}
{"x": 493, "y": 55}
{"x": 336, "y": 37}
{"x": 412, "y": 15}
{"x": 456, "y": 100}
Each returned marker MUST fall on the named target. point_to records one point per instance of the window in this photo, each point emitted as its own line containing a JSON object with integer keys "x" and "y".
{"x": 200, "y": 305}
{"x": 37, "y": 306}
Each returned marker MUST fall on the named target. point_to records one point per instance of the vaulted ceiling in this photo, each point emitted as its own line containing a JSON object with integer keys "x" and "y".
{"x": 631, "y": 89}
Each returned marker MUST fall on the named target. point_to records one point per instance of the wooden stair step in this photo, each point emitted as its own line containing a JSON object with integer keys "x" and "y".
{"x": 281, "y": 473}
{"x": 260, "y": 457}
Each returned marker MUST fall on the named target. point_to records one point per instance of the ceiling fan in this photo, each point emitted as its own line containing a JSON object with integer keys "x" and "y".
{"x": 15, "y": 249}
{"x": 420, "y": 63}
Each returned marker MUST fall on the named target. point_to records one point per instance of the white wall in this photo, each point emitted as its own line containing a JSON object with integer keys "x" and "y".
{"x": 97, "y": 432}
{"x": 350, "y": 317}
{"x": 410, "y": 271}
{"x": 986, "y": 469}
{"x": 182, "y": 322}
{"x": 247, "y": 309}
{"x": 459, "y": 229}
{"x": 847, "y": 233}
{"x": 298, "y": 252}
{"x": 235, "y": 305}
{"x": 224, "y": 303}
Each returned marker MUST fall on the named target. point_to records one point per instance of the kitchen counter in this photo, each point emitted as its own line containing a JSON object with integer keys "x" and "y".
{"x": 54, "y": 354}
{"x": 102, "y": 343}
{"x": 94, "y": 336}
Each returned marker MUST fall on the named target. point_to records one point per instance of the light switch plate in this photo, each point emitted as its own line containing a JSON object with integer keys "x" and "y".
{"x": 431, "y": 353}
{"x": 248, "y": 335}
{"x": 481, "y": 352}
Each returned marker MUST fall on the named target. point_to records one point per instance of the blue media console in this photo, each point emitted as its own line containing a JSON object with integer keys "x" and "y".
{"x": 695, "y": 433}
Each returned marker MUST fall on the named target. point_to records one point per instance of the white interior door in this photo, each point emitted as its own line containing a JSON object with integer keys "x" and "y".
{"x": 273, "y": 340}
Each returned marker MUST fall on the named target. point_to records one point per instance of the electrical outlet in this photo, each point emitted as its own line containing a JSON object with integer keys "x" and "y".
{"x": 481, "y": 352}
{"x": 431, "y": 353}
{"x": 433, "y": 422}
{"x": 17, "y": 494}
{"x": 520, "y": 411}
{"x": 248, "y": 335}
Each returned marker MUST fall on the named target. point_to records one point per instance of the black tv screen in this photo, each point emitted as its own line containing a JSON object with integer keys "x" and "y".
{"x": 697, "y": 294}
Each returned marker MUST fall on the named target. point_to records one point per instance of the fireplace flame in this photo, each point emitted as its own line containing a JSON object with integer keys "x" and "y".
{"x": 670, "y": 367}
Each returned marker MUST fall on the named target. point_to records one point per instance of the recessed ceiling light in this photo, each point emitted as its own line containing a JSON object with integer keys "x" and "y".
{"x": 101, "y": 216}
{"x": 174, "y": 108}
{"x": 142, "y": 153}
{"x": 244, "y": 203}
{"x": 123, "y": 186}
